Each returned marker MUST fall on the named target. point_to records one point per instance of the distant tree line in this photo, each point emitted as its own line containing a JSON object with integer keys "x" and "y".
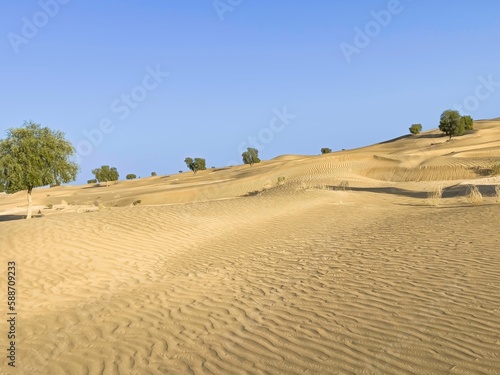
{"x": 32, "y": 156}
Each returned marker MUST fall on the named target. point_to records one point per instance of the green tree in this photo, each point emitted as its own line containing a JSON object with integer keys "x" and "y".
{"x": 467, "y": 123}
{"x": 92, "y": 181}
{"x": 33, "y": 156}
{"x": 326, "y": 150}
{"x": 251, "y": 156}
{"x": 153, "y": 174}
{"x": 201, "y": 163}
{"x": 130, "y": 176}
{"x": 451, "y": 123}
{"x": 415, "y": 129}
{"x": 198, "y": 164}
{"x": 105, "y": 173}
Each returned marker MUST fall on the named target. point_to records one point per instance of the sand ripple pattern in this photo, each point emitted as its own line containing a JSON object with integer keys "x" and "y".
{"x": 262, "y": 285}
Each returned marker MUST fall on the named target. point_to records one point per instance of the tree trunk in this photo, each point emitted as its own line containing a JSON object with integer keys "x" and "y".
{"x": 28, "y": 216}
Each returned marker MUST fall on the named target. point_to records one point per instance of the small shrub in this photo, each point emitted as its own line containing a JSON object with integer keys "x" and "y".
{"x": 49, "y": 206}
{"x": 180, "y": 171}
{"x": 326, "y": 150}
{"x": 344, "y": 185}
{"x": 130, "y": 176}
{"x": 415, "y": 129}
{"x": 251, "y": 156}
{"x": 137, "y": 202}
{"x": 434, "y": 197}
{"x": 474, "y": 196}
{"x": 92, "y": 181}
{"x": 268, "y": 185}
{"x": 281, "y": 180}
{"x": 153, "y": 174}
{"x": 495, "y": 169}
{"x": 302, "y": 186}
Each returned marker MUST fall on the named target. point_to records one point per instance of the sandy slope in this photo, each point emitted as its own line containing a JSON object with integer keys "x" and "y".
{"x": 210, "y": 274}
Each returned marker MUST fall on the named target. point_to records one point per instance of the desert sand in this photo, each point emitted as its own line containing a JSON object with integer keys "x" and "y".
{"x": 228, "y": 271}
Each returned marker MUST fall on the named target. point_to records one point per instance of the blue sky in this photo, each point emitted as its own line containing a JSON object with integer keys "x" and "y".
{"x": 141, "y": 85}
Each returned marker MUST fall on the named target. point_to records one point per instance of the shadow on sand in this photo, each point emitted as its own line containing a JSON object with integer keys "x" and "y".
{"x": 449, "y": 192}
{"x": 11, "y": 217}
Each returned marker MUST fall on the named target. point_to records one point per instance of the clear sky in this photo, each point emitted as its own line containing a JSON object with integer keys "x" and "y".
{"x": 140, "y": 85}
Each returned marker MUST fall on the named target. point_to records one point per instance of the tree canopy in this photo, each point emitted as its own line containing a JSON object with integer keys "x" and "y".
{"x": 451, "y": 123}
{"x": 415, "y": 129}
{"x": 251, "y": 156}
{"x": 467, "y": 123}
{"x": 33, "y": 156}
{"x": 198, "y": 164}
{"x": 326, "y": 150}
{"x": 131, "y": 176}
{"x": 105, "y": 174}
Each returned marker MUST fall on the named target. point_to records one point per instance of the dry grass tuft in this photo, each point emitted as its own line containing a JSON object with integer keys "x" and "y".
{"x": 497, "y": 193}
{"x": 344, "y": 185}
{"x": 474, "y": 196}
{"x": 434, "y": 197}
{"x": 302, "y": 186}
{"x": 268, "y": 185}
{"x": 495, "y": 169}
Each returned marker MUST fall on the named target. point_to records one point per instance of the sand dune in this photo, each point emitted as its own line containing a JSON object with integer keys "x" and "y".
{"x": 229, "y": 272}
